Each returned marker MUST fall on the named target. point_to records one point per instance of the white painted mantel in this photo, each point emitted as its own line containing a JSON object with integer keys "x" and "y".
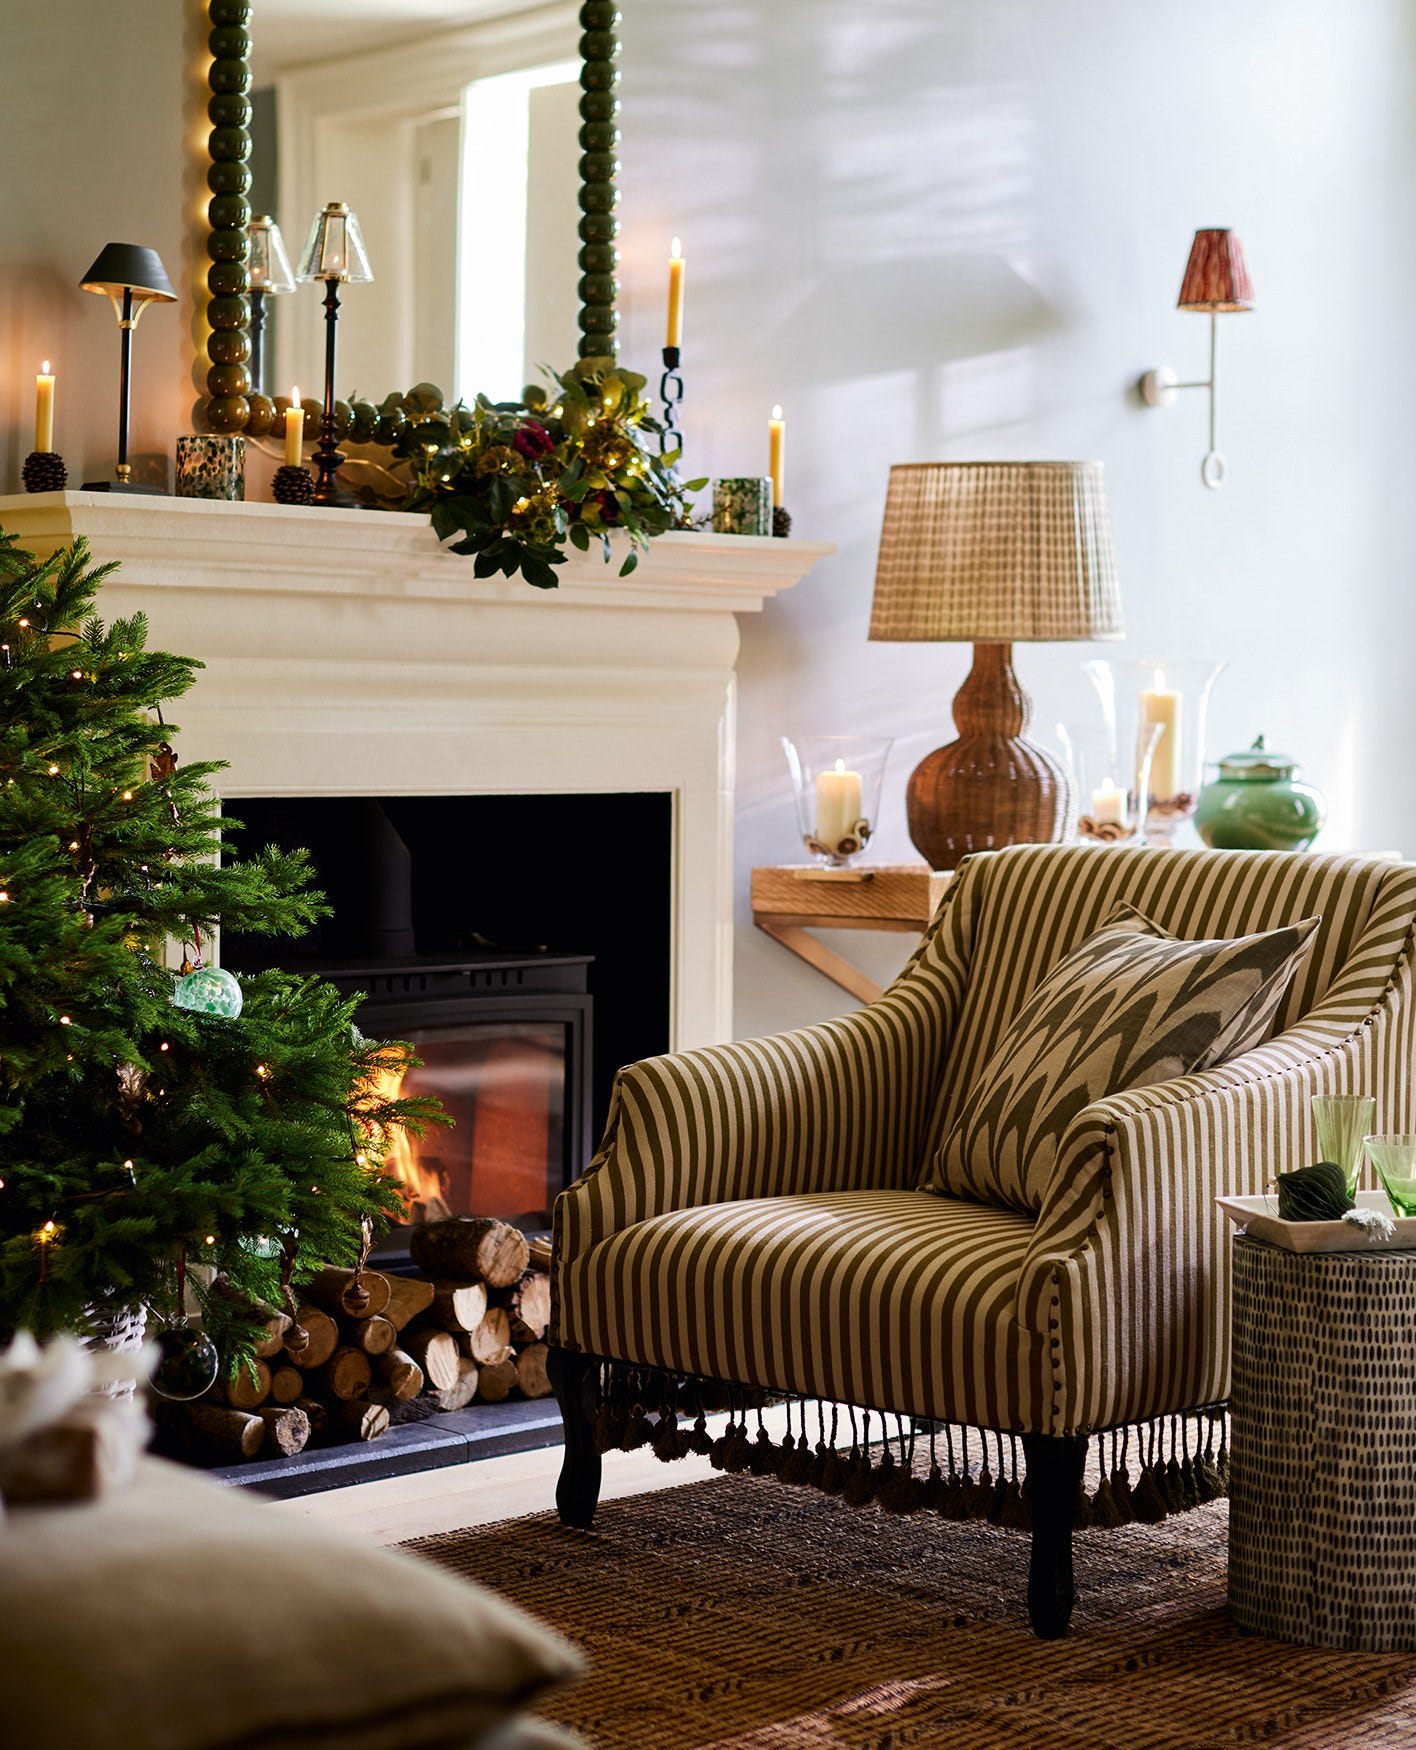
{"x": 347, "y": 654}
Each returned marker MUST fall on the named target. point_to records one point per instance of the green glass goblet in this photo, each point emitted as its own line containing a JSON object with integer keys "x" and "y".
{"x": 1343, "y": 1122}
{"x": 1394, "y": 1157}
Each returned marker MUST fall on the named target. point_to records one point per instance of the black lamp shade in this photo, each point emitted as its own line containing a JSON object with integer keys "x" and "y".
{"x": 129, "y": 267}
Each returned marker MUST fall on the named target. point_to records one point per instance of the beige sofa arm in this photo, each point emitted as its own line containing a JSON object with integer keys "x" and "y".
{"x": 836, "y": 1107}
{"x": 1127, "y": 1274}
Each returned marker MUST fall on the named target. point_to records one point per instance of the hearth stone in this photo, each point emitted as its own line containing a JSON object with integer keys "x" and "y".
{"x": 437, "y": 1443}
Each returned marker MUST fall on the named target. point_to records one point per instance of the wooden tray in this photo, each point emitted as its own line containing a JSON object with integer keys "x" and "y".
{"x": 1258, "y": 1217}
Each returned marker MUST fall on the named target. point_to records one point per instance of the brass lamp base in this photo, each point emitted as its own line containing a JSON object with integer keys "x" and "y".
{"x": 989, "y": 788}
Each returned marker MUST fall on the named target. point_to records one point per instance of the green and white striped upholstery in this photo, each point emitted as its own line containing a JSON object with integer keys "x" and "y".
{"x": 754, "y": 1213}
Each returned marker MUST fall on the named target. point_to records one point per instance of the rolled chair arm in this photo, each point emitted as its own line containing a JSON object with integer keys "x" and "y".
{"x": 1127, "y": 1273}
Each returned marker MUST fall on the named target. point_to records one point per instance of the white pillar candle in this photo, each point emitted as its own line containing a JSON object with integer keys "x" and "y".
{"x": 294, "y": 430}
{"x": 1109, "y": 803}
{"x": 837, "y": 804}
{"x": 1160, "y": 704}
{"x": 44, "y": 409}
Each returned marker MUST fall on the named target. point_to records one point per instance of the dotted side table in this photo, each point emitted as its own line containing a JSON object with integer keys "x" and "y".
{"x": 1322, "y": 1478}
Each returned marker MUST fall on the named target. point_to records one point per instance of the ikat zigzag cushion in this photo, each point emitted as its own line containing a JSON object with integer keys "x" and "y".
{"x": 1128, "y": 1007}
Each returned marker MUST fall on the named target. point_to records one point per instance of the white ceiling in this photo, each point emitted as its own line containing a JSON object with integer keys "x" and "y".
{"x": 286, "y": 33}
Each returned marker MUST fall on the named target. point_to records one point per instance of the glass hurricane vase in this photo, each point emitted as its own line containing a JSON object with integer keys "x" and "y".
{"x": 1107, "y": 778}
{"x": 836, "y": 782}
{"x": 1175, "y": 697}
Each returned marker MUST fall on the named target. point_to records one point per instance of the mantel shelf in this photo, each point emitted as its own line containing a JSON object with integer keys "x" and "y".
{"x": 302, "y": 549}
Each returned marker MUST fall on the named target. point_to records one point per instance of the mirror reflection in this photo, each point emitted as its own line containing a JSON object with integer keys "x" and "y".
{"x": 451, "y": 131}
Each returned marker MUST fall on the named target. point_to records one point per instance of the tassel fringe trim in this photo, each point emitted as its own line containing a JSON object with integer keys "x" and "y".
{"x": 1140, "y": 1473}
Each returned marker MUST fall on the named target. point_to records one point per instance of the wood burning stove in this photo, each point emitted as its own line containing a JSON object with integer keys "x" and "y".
{"x": 505, "y": 1041}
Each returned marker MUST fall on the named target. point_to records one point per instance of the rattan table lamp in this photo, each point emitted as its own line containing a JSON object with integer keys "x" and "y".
{"x": 992, "y": 553}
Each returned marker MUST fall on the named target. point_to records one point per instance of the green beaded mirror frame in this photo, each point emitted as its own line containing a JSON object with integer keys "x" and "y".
{"x": 227, "y": 407}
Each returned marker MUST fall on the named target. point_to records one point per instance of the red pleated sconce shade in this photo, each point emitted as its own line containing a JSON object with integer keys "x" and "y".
{"x": 1215, "y": 275}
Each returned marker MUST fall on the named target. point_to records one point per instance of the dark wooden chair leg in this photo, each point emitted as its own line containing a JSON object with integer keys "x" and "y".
{"x": 572, "y": 1379}
{"x": 1054, "y": 1475}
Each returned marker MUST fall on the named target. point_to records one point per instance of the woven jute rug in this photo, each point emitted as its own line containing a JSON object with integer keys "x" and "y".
{"x": 744, "y": 1612}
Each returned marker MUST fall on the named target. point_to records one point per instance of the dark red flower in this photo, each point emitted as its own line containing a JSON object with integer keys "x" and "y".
{"x": 534, "y": 441}
{"x": 609, "y": 506}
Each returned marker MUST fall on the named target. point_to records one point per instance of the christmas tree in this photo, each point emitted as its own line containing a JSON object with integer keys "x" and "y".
{"x": 158, "y": 1127}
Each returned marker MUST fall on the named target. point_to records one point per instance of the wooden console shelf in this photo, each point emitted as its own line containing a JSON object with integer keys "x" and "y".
{"x": 790, "y": 900}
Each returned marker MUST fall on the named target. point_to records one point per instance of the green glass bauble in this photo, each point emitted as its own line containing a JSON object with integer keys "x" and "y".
{"x": 229, "y": 14}
{"x": 187, "y": 1363}
{"x": 366, "y": 417}
{"x": 208, "y": 990}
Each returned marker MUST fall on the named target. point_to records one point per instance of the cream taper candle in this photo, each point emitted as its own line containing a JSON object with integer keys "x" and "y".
{"x": 294, "y": 431}
{"x": 44, "y": 409}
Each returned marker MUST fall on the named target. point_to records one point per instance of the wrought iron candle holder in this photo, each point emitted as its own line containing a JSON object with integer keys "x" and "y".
{"x": 671, "y": 393}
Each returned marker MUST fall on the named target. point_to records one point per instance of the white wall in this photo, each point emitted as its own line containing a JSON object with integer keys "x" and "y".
{"x": 956, "y": 228}
{"x": 97, "y": 105}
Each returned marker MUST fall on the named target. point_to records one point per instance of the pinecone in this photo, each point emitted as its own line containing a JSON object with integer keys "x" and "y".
{"x": 44, "y": 471}
{"x": 293, "y": 486}
{"x": 781, "y": 521}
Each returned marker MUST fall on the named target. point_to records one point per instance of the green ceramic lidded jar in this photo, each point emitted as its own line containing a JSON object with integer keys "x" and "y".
{"x": 1257, "y": 804}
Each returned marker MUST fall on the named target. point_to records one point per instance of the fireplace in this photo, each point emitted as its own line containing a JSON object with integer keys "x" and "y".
{"x": 505, "y": 1045}
{"x": 484, "y": 929}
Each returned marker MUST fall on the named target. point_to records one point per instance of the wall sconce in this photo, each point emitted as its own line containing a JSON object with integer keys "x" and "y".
{"x": 1216, "y": 280}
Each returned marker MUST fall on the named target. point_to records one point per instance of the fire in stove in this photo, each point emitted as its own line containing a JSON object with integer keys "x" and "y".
{"x": 504, "y": 1085}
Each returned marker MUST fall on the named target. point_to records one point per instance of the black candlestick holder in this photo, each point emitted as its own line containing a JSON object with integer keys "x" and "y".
{"x": 327, "y": 457}
{"x": 671, "y": 393}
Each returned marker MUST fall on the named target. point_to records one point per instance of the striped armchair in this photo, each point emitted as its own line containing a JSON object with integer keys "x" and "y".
{"x": 753, "y": 1225}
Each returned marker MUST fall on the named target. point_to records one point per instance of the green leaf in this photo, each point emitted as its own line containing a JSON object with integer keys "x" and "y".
{"x": 631, "y": 560}
{"x": 580, "y": 537}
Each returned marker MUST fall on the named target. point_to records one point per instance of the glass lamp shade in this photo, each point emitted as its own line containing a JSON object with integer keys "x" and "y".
{"x": 335, "y": 250}
{"x": 269, "y": 264}
{"x": 1216, "y": 278}
{"x": 129, "y": 267}
{"x": 836, "y": 782}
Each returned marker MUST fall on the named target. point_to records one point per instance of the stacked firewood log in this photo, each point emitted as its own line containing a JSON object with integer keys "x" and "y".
{"x": 366, "y": 1349}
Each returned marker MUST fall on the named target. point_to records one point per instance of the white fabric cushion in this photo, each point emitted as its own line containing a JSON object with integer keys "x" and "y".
{"x": 180, "y": 1615}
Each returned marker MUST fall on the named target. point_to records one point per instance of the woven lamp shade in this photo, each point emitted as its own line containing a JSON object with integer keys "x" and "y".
{"x": 1216, "y": 278}
{"x": 996, "y": 552}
